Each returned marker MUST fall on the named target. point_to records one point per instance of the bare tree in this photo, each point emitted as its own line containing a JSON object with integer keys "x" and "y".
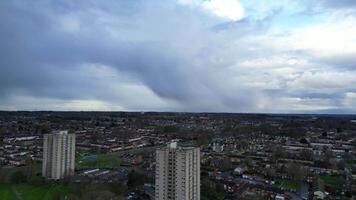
{"x": 295, "y": 171}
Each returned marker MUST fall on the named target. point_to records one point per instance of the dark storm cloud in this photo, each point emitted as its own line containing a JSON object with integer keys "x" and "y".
{"x": 38, "y": 55}
{"x": 149, "y": 54}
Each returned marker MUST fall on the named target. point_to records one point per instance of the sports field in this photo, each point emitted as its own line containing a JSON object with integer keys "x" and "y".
{"x": 288, "y": 184}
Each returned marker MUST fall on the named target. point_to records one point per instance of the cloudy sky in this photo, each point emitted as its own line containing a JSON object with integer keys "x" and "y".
{"x": 270, "y": 56}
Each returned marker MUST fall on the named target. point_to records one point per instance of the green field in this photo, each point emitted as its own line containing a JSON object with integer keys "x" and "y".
{"x": 349, "y": 161}
{"x": 6, "y": 192}
{"x": 45, "y": 192}
{"x": 288, "y": 184}
{"x": 5, "y": 173}
{"x": 30, "y": 192}
{"x": 99, "y": 161}
{"x": 332, "y": 181}
{"x": 110, "y": 160}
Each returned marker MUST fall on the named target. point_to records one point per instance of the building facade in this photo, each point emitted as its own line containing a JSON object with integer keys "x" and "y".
{"x": 58, "y": 155}
{"x": 177, "y": 173}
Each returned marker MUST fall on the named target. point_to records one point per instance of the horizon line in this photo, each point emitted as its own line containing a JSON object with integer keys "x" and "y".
{"x": 187, "y": 112}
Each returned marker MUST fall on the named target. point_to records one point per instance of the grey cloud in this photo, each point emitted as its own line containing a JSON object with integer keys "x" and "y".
{"x": 171, "y": 54}
{"x": 41, "y": 59}
{"x": 344, "y": 61}
{"x": 339, "y": 3}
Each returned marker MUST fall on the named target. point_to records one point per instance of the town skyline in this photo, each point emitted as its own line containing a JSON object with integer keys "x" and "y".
{"x": 207, "y": 156}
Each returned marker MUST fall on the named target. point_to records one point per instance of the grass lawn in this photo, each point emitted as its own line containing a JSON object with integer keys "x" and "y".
{"x": 6, "y": 192}
{"x": 45, "y": 192}
{"x": 349, "y": 161}
{"x": 288, "y": 184}
{"x": 99, "y": 160}
{"x": 332, "y": 181}
{"x": 31, "y": 192}
{"x": 111, "y": 160}
{"x": 5, "y": 173}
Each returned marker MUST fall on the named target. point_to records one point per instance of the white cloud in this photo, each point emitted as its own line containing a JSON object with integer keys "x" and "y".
{"x": 350, "y": 100}
{"x": 304, "y": 104}
{"x": 274, "y": 62}
{"x": 34, "y": 103}
{"x": 324, "y": 81}
{"x": 227, "y": 9}
{"x": 326, "y": 39}
{"x": 230, "y": 9}
{"x": 88, "y": 105}
{"x": 331, "y": 37}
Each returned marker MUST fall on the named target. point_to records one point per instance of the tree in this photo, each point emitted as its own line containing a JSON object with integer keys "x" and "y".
{"x": 204, "y": 139}
{"x": 341, "y": 165}
{"x": 135, "y": 179}
{"x": 211, "y": 190}
{"x": 328, "y": 154}
{"x": 270, "y": 172}
{"x": 72, "y": 197}
{"x": 303, "y": 141}
{"x": 118, "y": 188}
{"x": 295, "y": 171}
{"x": 101, "y": 195}
{"x": 306, "y": 154}
{"x": 18, "y": 177}
{"x": 225, "y": 163}
{"x": 45, "y": 129}
{"x": 170, "y": 129}
{"x": 30, "y": 168}
{"x": 95, "y": 192}
{"x": 278, "y": 152}
{"x": 3, "y": 131}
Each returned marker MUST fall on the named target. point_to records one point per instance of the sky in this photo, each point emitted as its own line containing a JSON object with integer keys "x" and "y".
{"x": 245, "y": 56}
